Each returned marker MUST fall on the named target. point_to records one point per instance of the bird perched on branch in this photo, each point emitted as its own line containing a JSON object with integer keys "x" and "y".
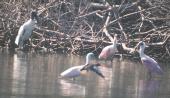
{"x": 25, "y": 30}
{"x": 149, "y": 63}
{"x": 78, "y": 70}
{"x": 109, "y": 51}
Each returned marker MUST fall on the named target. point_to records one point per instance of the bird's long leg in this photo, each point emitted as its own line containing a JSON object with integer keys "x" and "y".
{"x": 111, "y": 60}
{"x": 149, "y": 76}
{"x": 25, "y": 45}
{"x": 121, "y": 56}
{"x": 111, "y": 65}
{"x": 73, "y": 78}
{"x": 105, "y": 61}
{"x": 21, "y": 44}
{"x": 30, "y": 42}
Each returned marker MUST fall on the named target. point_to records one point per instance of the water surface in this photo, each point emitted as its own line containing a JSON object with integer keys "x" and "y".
{"x": 30, "y": 75}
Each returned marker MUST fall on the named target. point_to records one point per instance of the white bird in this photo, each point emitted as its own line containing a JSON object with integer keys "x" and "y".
{"x": 109, "y": 51}
{"x": 77, "y": 70}
{"x": 25, "y": 30}
{"x": 149, "y": 63}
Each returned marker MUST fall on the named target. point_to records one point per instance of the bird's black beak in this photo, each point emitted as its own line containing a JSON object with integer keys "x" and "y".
{"x": 83, "y": 69}
{"x": 86, "y": 67}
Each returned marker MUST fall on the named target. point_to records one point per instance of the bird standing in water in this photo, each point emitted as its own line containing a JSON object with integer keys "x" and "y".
{"x": 149, "y": 63}
{"x": 78, "y": 70}
{"x": 25, "y": 30}
{"x": 109, "y": 51}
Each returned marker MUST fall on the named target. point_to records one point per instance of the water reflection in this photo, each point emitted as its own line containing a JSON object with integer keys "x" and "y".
{"x": 19, "y": 73}
{"x": 28, "y": 75}
{"x": 104, "y": 85}
{"x": 68, "y": 88}
{"x": 148, "y": 88}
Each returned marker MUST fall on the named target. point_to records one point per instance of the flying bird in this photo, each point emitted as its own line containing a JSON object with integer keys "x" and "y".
{"x": 26, "y": 29}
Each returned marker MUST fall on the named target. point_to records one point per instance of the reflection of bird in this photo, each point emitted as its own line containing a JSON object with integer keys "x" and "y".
{"x": 148, "y": 88}
{"x": 109, "y": 51}
{"x": 78, "y": 70}
{"x": 26, "y": 29}
{"x": 70, "y": 88}
{"x": 148, "y": 62}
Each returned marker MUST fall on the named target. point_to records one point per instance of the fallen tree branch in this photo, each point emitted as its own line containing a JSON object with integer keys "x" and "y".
{"x": 105, "y": 28}
{"x": 133, "y": 13}
{"x": 160, "y": 43}
{"x": 52, "y": 31}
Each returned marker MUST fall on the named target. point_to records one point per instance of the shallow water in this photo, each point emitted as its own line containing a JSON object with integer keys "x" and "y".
{"x": 30, "y": 75}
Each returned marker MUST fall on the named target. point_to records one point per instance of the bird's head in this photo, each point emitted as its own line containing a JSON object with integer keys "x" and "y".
{"x": 89, "y": 55}
{"x": 34, "y": 16}
{"x": 142, "y": 44}
{"x": 115, "y": 35}
{"x": 90, "y": 58}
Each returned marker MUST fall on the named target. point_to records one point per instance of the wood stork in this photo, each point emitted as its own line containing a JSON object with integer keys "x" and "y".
{"x": 25, "y": 30}
{"x": 109, "y": 51}
{"x": 149, "y": 63}
{"x": 78, "y": 70}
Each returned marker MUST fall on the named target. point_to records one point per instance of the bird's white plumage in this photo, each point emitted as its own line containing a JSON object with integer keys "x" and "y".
{"x": 72, "y": 72}
{"x": 89, "y": 58}
{"x": 76, "y": 70}
{"x": 25, "y": 32}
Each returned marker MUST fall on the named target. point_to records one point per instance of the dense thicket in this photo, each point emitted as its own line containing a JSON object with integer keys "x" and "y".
{"x": 80, "y": 26}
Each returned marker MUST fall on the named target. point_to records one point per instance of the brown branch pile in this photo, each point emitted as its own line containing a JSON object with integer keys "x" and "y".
{"x": 81, "y": 26}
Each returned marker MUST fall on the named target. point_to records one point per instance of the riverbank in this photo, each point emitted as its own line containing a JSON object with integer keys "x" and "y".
{"x": 79, "y": 27}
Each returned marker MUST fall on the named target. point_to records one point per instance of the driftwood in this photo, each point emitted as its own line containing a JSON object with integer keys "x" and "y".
{"x": 81, "y": 26}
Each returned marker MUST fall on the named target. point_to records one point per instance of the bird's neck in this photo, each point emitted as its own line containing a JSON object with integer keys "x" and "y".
{"x": 141, "y": 52}
{"x": 87, "y": 60}
{"x": 31, "y": 22}
{"x": 115, "y": 40}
